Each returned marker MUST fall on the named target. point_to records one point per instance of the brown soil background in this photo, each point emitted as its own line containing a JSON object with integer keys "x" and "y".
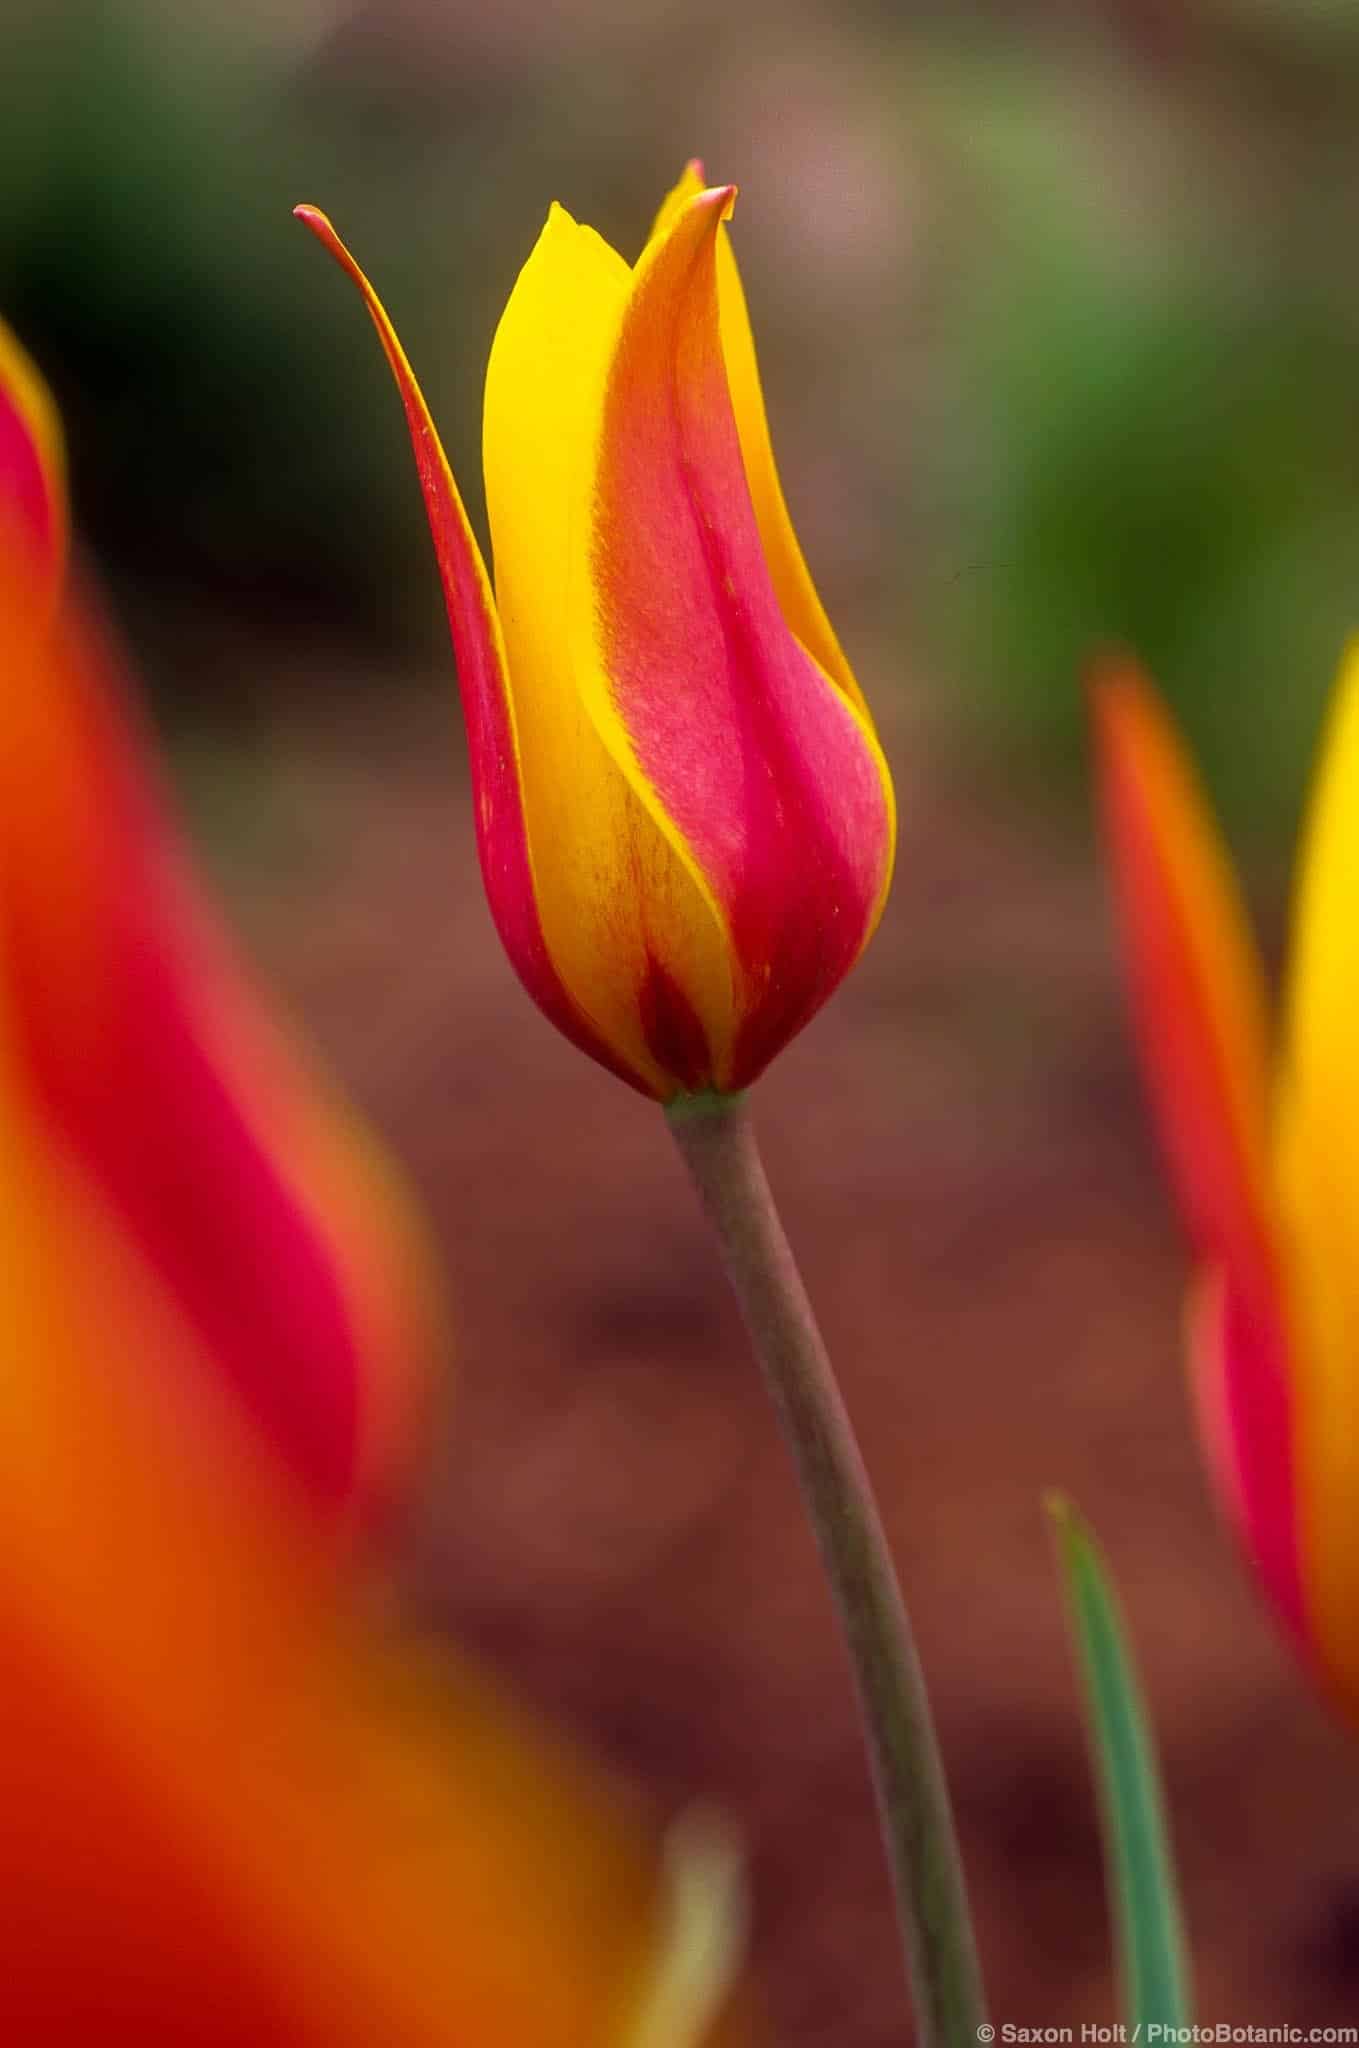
{"x": 611, "y": 1517}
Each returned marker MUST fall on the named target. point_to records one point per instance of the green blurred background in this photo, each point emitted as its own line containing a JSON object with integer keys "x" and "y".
{"x": 1059, "y": 308}
{"x": 1058, "y": 311}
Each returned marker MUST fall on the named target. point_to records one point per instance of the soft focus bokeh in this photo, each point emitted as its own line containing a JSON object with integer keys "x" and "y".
{"x": 1058, "y": 312}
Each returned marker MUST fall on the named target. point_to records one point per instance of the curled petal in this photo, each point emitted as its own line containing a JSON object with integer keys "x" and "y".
{"x": 33, "y": 520}
{"x": 765, "y": 778}
{"x": 494, "y": 749}
{"x": 170, "y": 1094}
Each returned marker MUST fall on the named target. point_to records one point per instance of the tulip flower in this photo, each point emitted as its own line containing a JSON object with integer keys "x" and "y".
{"x": 1263, "y": 1156}
{"x": 686, "y": 829}
{"x": 684, "y": 818}
{"x": 235, "y": 1811}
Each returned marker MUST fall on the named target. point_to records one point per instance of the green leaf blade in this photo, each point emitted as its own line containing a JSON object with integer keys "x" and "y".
{"x": 1143, "y": 1892}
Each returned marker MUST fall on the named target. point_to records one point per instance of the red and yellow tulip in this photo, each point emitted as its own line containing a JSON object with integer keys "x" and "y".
{"x": 1255, "y": 1124}
{"x": 685, "y": 821}
{"x": 234, "y": 1810}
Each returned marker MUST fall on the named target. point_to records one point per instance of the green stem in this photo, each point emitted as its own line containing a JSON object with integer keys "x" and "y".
{"x": 717, "y": 1142}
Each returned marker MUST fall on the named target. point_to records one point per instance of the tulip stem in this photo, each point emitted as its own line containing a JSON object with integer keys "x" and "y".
{"x": 717, "y": 1142}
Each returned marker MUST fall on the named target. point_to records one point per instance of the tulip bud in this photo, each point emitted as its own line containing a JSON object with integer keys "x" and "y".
{"x": 685, "y": 821}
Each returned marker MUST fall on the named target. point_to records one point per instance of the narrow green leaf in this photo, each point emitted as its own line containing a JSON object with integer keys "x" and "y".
{"x": 1143, "y": 1894}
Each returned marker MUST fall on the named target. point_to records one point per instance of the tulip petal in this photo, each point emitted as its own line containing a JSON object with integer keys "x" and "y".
{"x": 1199, "y": 1009}
{"x": 768, "y": 782}
{"x": 240, "y": 1181}
{"x": 615, "y": 898}
{"x": 32, "y": 470}
{"x": 1196, "y": 984}
{"x": 793, "y": 586}
{"x": 492, "y": 736}
{"x": 1318, "y": 1148}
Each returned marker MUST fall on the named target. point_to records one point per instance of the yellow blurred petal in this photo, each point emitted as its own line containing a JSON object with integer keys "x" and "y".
{"x": 612, "y": 893}
{"x": 793, "y": 585}
{"x": 1318, "y": 1150}
{"x": 699, "y": 1953}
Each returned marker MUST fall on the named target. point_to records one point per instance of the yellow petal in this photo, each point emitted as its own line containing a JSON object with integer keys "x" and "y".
{"x": 1319, "y": 1184}
{"x": 793, "y": 586}
{"x": 612, "y": 894}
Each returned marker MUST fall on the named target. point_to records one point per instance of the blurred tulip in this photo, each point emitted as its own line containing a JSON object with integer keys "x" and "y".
{"x": 234, "y": 1811}
{"x": 264, "y": 1211}
{"x": 685, "y": 821}
{"x": 1263, "y": 1146}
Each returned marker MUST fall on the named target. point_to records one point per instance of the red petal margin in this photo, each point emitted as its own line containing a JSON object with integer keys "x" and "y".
{"x": 743, "y": 744}
{"x": 1195, "y": 985}
{"x": 164, "y": 1085}
{"x": 502, "y": 842}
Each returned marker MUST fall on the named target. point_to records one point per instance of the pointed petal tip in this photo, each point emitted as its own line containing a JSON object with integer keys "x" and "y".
{"x": 328, "y": 235}
{"x": 1113, "y": 675}
{"x": 314, "y": 218}
{"x": 712, "y": 205}
{"x": 720, "y": 199}
{"x": 564, "y": 239}
{"x": 1130, "y": 723}
{"x": 325, "y": 231}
